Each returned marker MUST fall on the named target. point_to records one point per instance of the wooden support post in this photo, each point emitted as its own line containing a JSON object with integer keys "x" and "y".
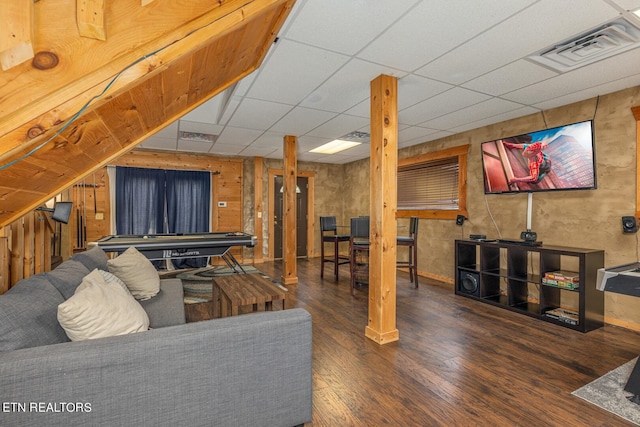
{"x": 289, "y": 252}
{"x": 383, "y": 199}
{"x": 16, "y": 32}
{"x": 259, "y": 208}
{"x": 90, "y": 17}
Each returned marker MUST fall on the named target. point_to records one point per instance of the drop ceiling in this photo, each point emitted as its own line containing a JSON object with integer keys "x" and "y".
{"x": 460, "y": 65}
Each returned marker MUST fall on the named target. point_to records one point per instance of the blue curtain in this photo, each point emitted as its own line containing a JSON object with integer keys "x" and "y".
{"x": 139, "y": 200}
{"x": 188, "y": 202}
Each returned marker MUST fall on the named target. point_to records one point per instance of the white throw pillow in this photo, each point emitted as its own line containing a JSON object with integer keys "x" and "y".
{"x": 137, "y": 272}
{"x": 110, "y": 278}
{"x": 99, "y": 309}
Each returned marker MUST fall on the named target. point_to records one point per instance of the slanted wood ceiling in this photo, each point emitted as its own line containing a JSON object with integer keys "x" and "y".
{"x": 125, "y": 69}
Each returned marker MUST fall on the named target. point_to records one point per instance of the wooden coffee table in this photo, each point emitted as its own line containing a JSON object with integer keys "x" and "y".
{"x": 230, "y": 293}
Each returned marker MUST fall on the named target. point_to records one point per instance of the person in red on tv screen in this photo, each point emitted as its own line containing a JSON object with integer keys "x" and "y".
{"x": 539, "y": 163}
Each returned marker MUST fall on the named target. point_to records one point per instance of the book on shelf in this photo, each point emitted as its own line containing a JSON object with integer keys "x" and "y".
{"x": 563, "y": 276}
{"x": 560, "y": 283}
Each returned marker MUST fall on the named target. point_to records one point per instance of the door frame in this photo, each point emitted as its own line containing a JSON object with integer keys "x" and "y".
{"x": 310, "y": 175}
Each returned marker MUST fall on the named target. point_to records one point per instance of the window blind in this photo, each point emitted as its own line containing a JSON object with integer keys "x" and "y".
{"x": 432, "y": 185}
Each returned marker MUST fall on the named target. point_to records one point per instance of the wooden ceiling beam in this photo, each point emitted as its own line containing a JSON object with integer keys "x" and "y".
{"x": 53, "y": 137}
{"x": 16, "y": 32}
{"x": 90, "y": 16}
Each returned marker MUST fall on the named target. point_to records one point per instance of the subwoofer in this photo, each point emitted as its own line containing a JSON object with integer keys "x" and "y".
{"x": 469, "y": 283}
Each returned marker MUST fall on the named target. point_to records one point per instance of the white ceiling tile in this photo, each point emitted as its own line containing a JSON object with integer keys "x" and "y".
{"x": 511, "y": 77}
{"x": 310, "y": 157}
{"x": 362, "y": 109}
{"x": 413, "y": 89}
{"x": 444, "y": 103}
{"x": 275, "y": 154}
{"x": 253, "y": 151}
{"x": 523, "y": 111}
{"x": 414, "y": 132}
{"x": 344, "y": 26}
{"x": 348, "y": 87}
{"x": 200, "y": 127}
{"x": 207, "y": 112}
{"x": 543, "y": 24}
{"x": 425, "y": 33}
{"x": 311, "y": 142}
{"x": 592, "y": 92}
{"x": 258, "y": 114}
{"x": 473, "y": 51}
{"x": 160, "y": 143}
{"x": 228, "y": 149}
{"x": 231, "y": 135}
{"x": 293, "y": 71}
{"x": 270, "y": 139}
{"x": 339, "y": 126}
{"x": 610, "y": 69}
{"x": 194, "y": 146}
{"x": 301, "y": 120}
{"x": 482, "y": 110}
{"x": 170, "y": 131}
{"x": 628, "y": 4}
{"x": 232, "y": 106}
{"x": 245, "y": 83}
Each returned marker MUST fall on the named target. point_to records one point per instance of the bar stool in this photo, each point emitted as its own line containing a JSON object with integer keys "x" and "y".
{"x": 359, "y": 251}
{"x": 329, "y": 234}
{"x": 411, "y": 241}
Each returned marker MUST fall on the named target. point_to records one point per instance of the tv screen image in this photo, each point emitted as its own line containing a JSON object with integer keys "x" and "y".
{"x": 560, "y": 158}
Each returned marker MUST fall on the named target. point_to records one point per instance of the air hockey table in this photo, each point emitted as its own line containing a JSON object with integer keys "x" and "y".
{"x": 181, "y": 245}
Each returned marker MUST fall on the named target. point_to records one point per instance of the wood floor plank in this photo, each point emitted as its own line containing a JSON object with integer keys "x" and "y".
{"x": 457, "y": 363}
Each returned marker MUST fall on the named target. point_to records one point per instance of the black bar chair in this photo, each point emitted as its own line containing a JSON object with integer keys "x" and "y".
{"x": 359, "y": 244}
{"x": 411, "y": 241}
{"x": 329, "y": 234}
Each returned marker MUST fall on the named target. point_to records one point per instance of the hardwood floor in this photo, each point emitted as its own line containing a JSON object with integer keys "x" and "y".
{"x": 457, "y": 363}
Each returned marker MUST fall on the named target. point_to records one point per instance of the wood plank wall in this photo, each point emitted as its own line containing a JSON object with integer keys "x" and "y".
{"x": 226, "y": 186}
{"x": 25, "y": 245}
{"x": 25, "y": 249}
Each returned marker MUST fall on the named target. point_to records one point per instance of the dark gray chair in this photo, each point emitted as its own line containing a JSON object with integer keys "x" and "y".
{"x": 329, "y": 234}
{"x": 359, "y": 244}
{"x": 411, "y": 241}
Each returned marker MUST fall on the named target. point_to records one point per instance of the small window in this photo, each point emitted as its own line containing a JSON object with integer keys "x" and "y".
{"x": 433, "y": 185}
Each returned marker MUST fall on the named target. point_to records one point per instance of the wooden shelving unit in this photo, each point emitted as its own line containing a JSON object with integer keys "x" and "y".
{"x": 509, "y": 275}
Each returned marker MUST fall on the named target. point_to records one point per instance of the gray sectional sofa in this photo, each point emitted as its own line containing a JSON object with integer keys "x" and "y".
{"x": 248, "y": 370}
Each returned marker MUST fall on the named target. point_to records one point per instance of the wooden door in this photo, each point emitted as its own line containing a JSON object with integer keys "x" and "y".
{"x": 302, "y": 194}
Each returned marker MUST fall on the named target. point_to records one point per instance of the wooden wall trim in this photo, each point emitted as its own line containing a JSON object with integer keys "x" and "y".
{"x": 636, "y": 114}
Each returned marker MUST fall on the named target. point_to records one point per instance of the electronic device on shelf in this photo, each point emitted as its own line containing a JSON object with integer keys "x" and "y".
{"x": 520, "y": 242}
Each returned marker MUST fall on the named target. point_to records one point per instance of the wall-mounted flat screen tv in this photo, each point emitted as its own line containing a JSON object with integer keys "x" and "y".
{"x": 561, "y": 158}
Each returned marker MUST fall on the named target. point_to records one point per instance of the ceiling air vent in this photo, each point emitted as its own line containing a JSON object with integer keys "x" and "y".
{"x": 356, "y": 136}
{"x": 610, "y": 39}
{"x": 196, "y": 136}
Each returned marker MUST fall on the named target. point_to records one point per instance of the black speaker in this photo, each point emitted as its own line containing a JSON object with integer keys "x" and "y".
{"x": 629, "y": 224}
{"x": 460, "y": 219}
{"x": 469, "y": 282}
